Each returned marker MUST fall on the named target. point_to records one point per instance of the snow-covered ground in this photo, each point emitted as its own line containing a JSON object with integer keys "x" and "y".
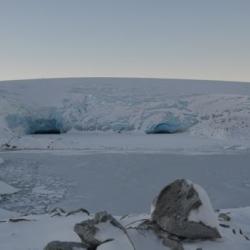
{"x": 103, "y": 153}
{"x": 41, "y": 229}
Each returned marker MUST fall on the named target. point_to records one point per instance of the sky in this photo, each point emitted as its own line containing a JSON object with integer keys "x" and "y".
{"x": 194, "y": 39}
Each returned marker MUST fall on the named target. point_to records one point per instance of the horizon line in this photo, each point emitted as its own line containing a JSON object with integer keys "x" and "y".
{"x": 121, "y": 77}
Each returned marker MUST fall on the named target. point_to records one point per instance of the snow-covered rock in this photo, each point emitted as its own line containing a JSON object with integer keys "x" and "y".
{"x": 100, "y": 230}
{"x": 184, "y": 209}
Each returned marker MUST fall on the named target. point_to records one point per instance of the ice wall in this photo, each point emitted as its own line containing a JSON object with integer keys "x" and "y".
{"x": 123, "y": 111}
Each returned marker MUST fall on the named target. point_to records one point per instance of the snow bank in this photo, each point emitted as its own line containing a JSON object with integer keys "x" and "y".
{"x": 40, "y": 229}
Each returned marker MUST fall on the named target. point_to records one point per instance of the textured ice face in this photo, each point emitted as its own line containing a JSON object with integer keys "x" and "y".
{"x": 58, "y": 121}
{"x": 89, "y": 113}
{"x": 172, "y": 125}
{"x": 108, "y": 108}
{"x": 39, "y": 122}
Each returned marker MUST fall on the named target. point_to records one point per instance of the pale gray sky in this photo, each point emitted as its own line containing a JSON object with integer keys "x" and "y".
{"x": 131, "y": 38}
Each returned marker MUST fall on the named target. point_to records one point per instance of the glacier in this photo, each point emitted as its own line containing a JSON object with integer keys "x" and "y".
{"x": 142, "y": 106}
{"x": 85, "y": 116}
{"x": 218, "y": 116}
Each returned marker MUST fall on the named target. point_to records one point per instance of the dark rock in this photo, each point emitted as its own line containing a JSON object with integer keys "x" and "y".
{"x": 224, "y": 217}
{"x": 87, "y": 230}
{"x": 60, "y": 245}
{"x": 80, "y": 210}
{"x": 172, "y": 208}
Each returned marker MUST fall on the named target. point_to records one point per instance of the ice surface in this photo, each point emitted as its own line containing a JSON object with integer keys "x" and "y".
{"x": 120, "y": 183}
{"x": 35, "y": 192}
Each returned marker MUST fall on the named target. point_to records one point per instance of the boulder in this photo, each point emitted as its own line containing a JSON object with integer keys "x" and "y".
{"x": 183, "y": 209}
{"x": 60, "y": 245}
{"x": 93, "y": 232}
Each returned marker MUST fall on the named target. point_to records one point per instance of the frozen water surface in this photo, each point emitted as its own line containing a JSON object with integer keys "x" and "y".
{"x": 103, "y": 180}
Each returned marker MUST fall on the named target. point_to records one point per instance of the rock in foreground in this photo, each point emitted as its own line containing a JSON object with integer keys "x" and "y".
{"x": 183, "y": 209}
{"x": 91, "y": 232}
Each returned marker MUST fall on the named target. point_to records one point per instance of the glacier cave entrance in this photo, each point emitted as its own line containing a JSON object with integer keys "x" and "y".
{"x": 46, "y": 131}
{"x": 31, "y": 125}
{"x": 45, "y": 126}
